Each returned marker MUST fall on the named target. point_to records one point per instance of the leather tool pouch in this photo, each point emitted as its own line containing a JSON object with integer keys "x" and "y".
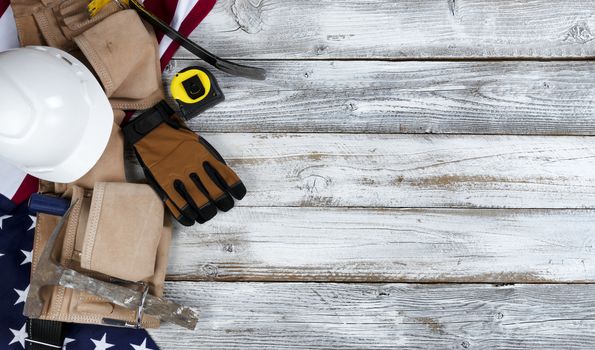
{"x": 106, "y": 246}
{"x": 125, "y": 56}
{"x": 117, "y": 230}
{"x": 55, "y": 22}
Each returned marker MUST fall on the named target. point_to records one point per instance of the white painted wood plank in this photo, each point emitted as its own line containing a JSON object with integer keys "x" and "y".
{"x": 383, "y": 316}
{"x": 518, "y": 97}
{"x": 371, "y": 245}
{"x": 398, "y": 29}
{"x": 351, "y": 170}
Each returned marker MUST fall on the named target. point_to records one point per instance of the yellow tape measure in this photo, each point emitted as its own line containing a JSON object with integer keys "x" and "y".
{"x": 195, "y": 90}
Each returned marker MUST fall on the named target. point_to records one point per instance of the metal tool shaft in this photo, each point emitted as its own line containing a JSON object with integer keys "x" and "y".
{"x": 166, "y": 310}
{"x": 220, "y": 63}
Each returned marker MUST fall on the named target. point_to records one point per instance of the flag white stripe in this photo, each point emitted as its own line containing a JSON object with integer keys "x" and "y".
{"x": 10, "y": 177}
{"x": 8, "y": 31}
{"x": 183, "y": 8}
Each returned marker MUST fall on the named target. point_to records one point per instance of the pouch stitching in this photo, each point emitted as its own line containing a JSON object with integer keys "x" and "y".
{"x": 55, "y": 308}
{"x": 20, "y": 31}
{"x": 71, "y": 226}
{"x": 36, "y": 246}
{"x": 68, "y": 244}
{"x": 52, "y": 35}
{"x": 108, "y": 10}
{"x": 44, "y": 27}
{"x": 92, "y": 224}
{"x": 99, "y": 66}
{"x": 146, "y": 103}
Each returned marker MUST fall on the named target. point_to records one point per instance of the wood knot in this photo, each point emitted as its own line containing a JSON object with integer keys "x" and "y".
{"x": 171, "y": 66}
{"x": 320, "y": 49}
{"x": 383, "y": 293}
{"x": 351, "y": 107}
{"x": 579, "y": 33}
{"x": 247, "y": 15}
{"x": 210, "y": 270}
{"x": 314, "y": 184}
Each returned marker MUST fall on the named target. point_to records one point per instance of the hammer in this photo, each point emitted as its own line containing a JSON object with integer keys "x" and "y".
{"x": 51, "y": 273}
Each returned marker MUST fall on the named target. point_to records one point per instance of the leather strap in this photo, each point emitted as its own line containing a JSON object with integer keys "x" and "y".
{"x": 148, "y": 121}
{"x": 44, "y": 335}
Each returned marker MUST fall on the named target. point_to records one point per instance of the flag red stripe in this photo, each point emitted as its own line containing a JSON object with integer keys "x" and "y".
{"x": 28, "y": 187}
{"x": 165, "y": 10}
{"x": 3, "y": 6}
{"x": 192, "y": 20}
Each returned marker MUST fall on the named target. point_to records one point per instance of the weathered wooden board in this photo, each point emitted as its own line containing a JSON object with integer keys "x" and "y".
{"x": 345, "y": 170}
{"x": 401, "y": 29}
{"x": 371, "y": 245}
{"x": 323, "y": 202}
{"x": 383, "y": 316}
{"x": 407, "y": 97}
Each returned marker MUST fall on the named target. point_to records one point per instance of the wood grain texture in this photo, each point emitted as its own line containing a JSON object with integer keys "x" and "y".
{"x": 372, "y": 245}
{"x": 324, "y": 199}
{"x": 405, "y": 29}
{"x": 383, "y": 316}
{"x": 350, "y": 170}
{"x": 538, "y": 98}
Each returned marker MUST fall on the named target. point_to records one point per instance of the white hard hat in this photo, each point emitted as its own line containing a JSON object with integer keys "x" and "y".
{"x": 55, "y": 119}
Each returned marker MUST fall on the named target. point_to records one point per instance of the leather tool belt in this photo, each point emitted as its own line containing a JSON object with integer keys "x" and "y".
{"x": 115, "y": 232}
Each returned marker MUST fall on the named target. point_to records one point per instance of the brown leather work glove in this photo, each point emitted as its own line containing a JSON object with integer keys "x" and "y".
{"x": 184, "y": 169}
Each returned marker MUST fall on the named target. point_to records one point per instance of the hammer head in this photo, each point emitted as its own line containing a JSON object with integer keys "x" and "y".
{"x": 47, "y": 273}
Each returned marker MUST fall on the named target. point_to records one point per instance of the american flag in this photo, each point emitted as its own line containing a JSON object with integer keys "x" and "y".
{"x": 17, "y": 226}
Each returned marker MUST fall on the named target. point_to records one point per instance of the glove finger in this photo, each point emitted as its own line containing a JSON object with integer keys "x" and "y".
{"x": 238, "y": 190}
{"x": 222, "y": 199}
{"x": 226, "y": 178}
{"x": 180, "y": 201}
{"x": 175, "y": 212}
{"x": 199, "y": 197}
{"x": 172, "y": 199}
{"x": 220, "y": 188}
{"x": 232, "y": 182}
{"x": 204, "y": 211}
